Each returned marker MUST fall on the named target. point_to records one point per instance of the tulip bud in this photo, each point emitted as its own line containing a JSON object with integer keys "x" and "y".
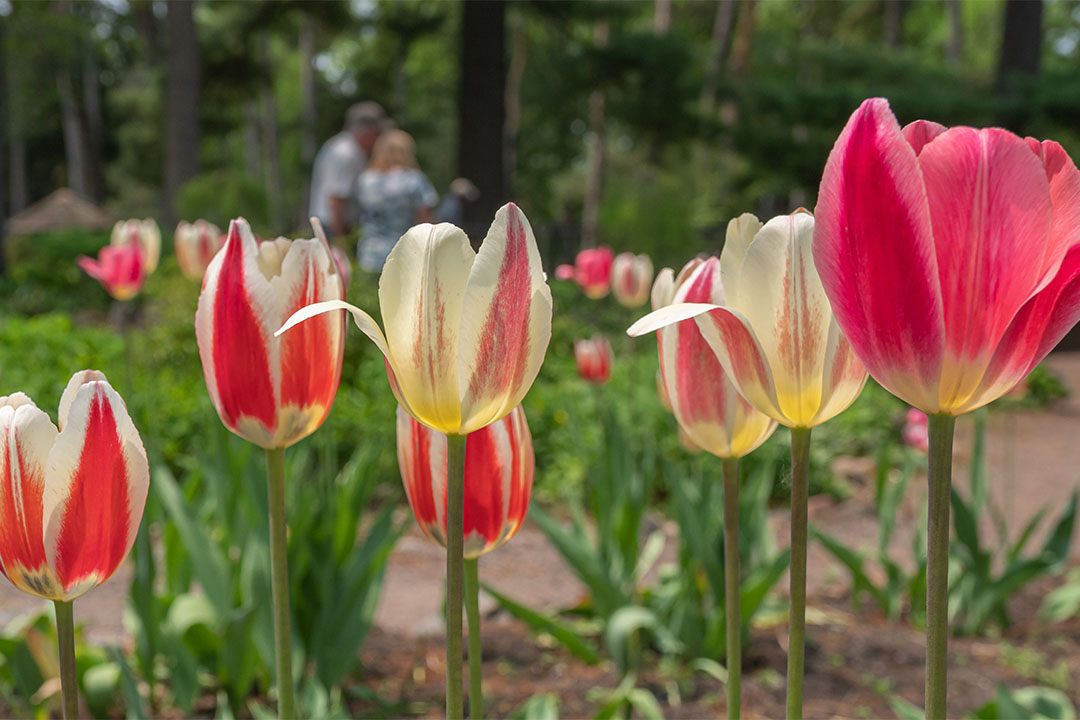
{"x": 594, "y": 358}
{"x": 121, "y": 269}
{"x": 631, "y": 279}
{"x": 145, "y": 234}
{"x": 196, "y": 244}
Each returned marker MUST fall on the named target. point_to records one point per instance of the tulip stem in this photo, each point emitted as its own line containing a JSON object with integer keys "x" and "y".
{"x": 800, "y": 470}
{"x": 65, "y": 639}
{"x": 472, "y": 613}
{"x": 279, "y": 581}
{"x": 937, "y": 563}
{"x": 455, "y": 542}
{"x": 731, "y": 586}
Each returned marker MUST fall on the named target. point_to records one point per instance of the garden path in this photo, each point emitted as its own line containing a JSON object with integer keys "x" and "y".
{"x": 1033, "y": 459}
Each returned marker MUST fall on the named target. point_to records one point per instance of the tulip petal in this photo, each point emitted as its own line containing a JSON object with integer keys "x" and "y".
{"x": 77, "y": 381}
{"x": 874, "y": 251}
{"x": 311, "y": 354}
{"x": 26, "y": 436}
{"x": 233, "y": 323}
{"x": 421, "y": 293}
{"x": 422, "y": 459}
{"x": 844, "y": 376}
{"x": 666, "y": 316}
{"x": 663, "y": 289}
{"x": 990, "y": 208}
{"x": 1065, "y": 197}
{"x": 1037, "y": 328}
{"x": 740, "y": 233}
{"x": 507, "y": 322}
{"x": 732, "y": 338}
{"x": 921, "y": 132}
{"x": 96, "y": 482}
{"x": 786, "y": 305}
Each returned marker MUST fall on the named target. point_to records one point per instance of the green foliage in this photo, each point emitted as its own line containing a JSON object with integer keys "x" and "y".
{"x": 219, "y": 196}
{"x": 43, "y": 275}
{"x": 1064, "y": 603}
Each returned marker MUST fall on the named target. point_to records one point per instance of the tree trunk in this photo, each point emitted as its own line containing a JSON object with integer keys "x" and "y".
{"x": 92, "y": 104}
{"x": 272, "y": 164}
{"x": 725, "y": 15}
{"x": 893, "y": 25}
{"x": 519, "y": 54}
{"x": 744, "y": 33}
{"x": 75, "y": 154}
{"x": 662, "y": 17}
{"x": 1021, "y": 43}
{"x": 596, "y": 155}
{"x": 482, "y": 109}
{"x": 307, "y": 112}
{"x": 181, "y": 103}
{"x": 5, "y": 104}
{"x": 954, "y": 50}
{"x": 252, "y": 149}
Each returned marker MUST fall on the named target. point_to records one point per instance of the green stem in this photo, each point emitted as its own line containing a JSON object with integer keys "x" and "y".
{"x": 472, "y": 613}
{"x": 279, "y": 581}
{"x": 800, "y": 470}
{"x": 937, "y": 563}
{"x": 455, "y": 540}
{"x": 731, "y": 586}
{"x": 65, "y": 638}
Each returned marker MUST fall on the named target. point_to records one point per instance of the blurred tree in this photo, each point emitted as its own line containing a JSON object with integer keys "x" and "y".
{"x": 954, "y": 50}
{"x": 181, "y": 102}
{"x": 1021, "y": 42}
{"x": 4, "y": 104}
{"x": 595, "y": 149}
{"x": 482, "y": 109}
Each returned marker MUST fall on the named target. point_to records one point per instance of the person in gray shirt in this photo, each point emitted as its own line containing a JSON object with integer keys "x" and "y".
{"x": 338, "y": 165}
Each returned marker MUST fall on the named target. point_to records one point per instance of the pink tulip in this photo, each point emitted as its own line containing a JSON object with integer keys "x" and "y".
{"x": 121, "y": 269}
{"x": 499, "y": 466}
{"x": 145, "y": 234}
{"x": 594, "y": 358}
{"x": 951, "y": 256}
{"x": 916, "y": 432}
{"x": 195, "y": 245}
{"x": 591, "y": 271}
{"x": 631, "y": 277}
{"x": 71, "y": 496}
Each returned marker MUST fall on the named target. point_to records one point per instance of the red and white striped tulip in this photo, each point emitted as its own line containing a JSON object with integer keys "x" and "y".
{"x": 951, "y": 255}
{"x": 71, "y": 497}
{"x": 591, "y": 271}
{"x": 594, "y": 359}
{"x": 145, "y": 234}
{"x": 704, "y": 401}
{"x": 466, "y": 332}
{"x": 499, "y": 466}
{"x": 272, "y": 391}
{"x": 631, "y": 277}
{"x": 774, "y": 333}
{"x": 121, "y": 270}
{"x": 196, "y": 244}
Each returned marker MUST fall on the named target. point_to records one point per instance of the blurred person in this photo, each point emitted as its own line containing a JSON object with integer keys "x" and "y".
{"x": 394, "y": 195}
{"x": 452, "y": 207}
{"x": 339, "y": 163}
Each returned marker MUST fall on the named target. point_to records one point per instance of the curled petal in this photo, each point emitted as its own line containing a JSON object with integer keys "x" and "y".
{"x": 663, "y": 289}
{"x": 507, "y": 322}
{"x": 875, "y": 253}
{"x": 96, "y": 481}
{"x": 740, "y": 233}
{"x": 920, "y": 132}
{"x": 1065, "y": 197}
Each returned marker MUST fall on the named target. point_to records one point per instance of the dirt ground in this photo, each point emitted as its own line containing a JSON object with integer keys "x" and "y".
{"x": 1033, "y": 458}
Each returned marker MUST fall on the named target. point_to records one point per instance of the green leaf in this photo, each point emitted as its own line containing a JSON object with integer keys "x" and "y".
{"x": 543, "y": 706}
{"x": 757, "y": 586}
{"x": 210, "y": 565}
{"x": 576, "y": 644}
{"x": 1056, "y": 549}
{"x": 854, "y": 563}
{"x": 136, "y": 707}
{"x": 582, "y": 560}
{"x": 905, "y": 710}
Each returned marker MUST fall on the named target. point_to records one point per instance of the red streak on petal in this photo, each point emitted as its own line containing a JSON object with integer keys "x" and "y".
{"x": 484, "y": 469}
{"x": 504, "y": 343}
{"x": 241, "y": 362}
{"x": 418, "y": 474}
{"x": 94, "y": 528}
{"x": 21, "y": 540}
{"x": 699, "y": 377}
{"x": 310, "y": 360}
